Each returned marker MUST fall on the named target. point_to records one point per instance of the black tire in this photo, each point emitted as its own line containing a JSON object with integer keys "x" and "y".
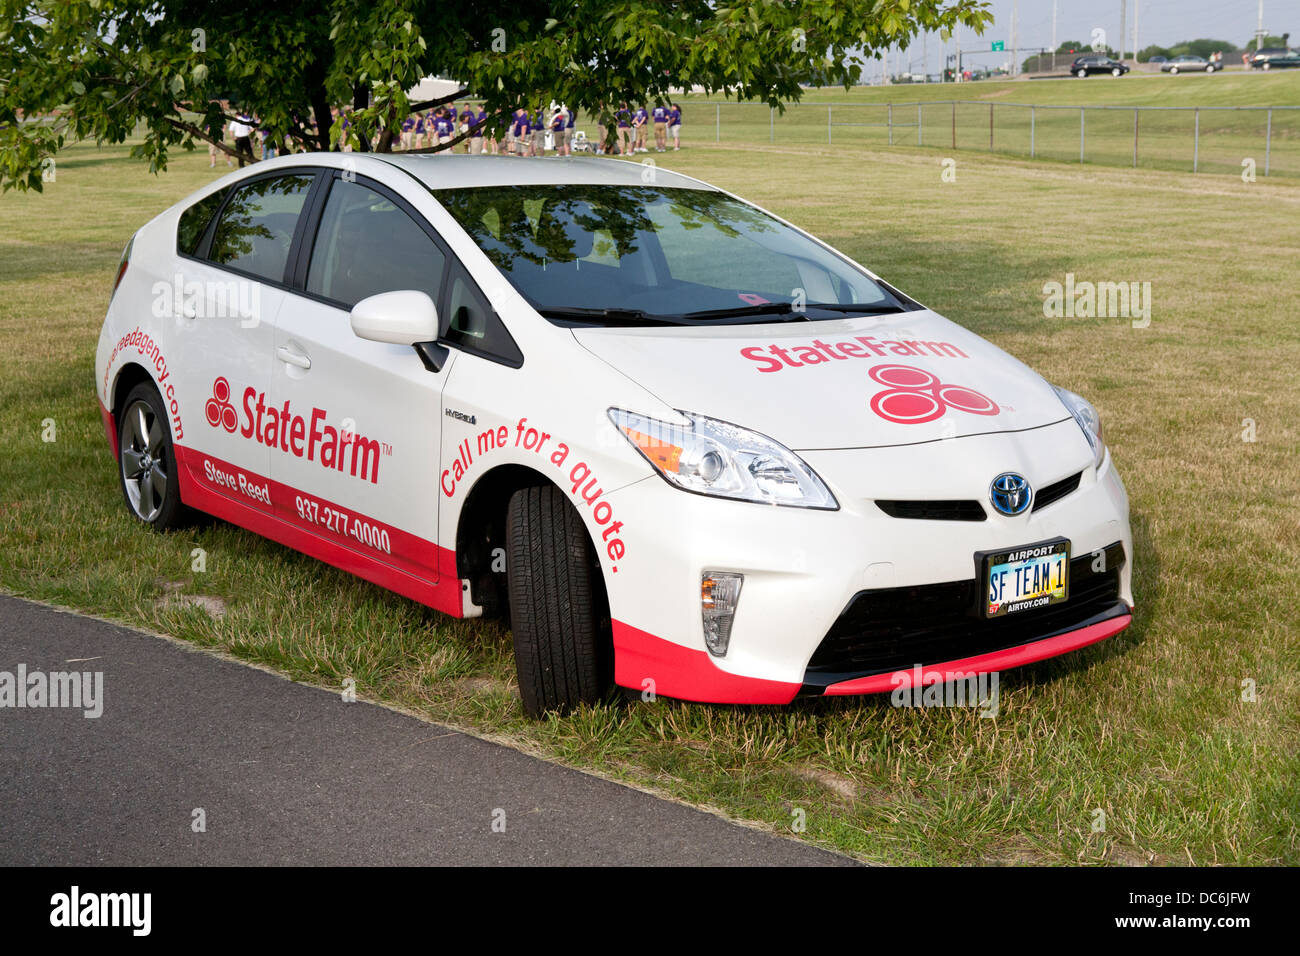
{"x": 557, "y": 604}
{"x": 146, "y": 461}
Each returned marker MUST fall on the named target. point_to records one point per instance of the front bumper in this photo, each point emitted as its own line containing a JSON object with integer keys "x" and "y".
{"x": 806, "y": 572}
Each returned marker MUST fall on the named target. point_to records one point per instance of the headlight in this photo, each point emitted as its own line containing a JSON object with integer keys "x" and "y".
{"x": 716, "y": 458}
{"x": 1088, "y": 420}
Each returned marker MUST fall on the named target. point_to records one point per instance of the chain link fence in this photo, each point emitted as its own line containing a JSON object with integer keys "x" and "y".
{"x": 1191, "y": 139}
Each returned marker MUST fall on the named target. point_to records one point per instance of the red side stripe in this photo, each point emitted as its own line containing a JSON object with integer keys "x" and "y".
{"x": 405, "y": 571}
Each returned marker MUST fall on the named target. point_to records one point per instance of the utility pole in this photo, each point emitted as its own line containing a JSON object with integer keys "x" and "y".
{"x": 884, "y": 66}
{"x": 1136, "y": 4}
{"x": 1015, "y": 43}
{"x": 1123, "y": 27}
{"x": 1053, "y": 33}
{"x": 1259, "y": 27}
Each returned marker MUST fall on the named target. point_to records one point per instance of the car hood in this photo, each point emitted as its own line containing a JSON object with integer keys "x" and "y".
{"x": 859, "y": 382}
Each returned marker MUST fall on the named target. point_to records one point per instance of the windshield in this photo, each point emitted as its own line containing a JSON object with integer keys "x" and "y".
{"x": 643, "y": 254}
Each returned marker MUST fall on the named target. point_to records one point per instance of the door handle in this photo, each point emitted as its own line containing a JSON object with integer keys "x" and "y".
{"x": 292, "y": 356}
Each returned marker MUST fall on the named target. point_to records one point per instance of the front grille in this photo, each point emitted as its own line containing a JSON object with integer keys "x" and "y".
{"x": 1057, "y": 491}
{"x": 895, "y": 628}
{"x": 933, "y": 510}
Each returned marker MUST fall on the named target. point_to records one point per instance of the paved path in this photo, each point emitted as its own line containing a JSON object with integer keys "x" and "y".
{"x": 289, "y": 774}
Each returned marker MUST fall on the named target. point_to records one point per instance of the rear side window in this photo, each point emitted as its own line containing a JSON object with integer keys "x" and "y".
{"x": 472, "y": 324}
{"x": 366, "y": 245}
{"x": 194, "y": 223}
{"x": 257, "y": 225}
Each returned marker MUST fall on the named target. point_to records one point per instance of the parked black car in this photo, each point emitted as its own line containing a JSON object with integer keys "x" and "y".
{"x": 1097, "y": 63}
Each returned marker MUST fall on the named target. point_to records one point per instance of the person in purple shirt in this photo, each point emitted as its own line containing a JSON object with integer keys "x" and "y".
{"x": 675, "y": 125}
{"x": 558, "y": 120}
{"x": 408, "y": 130}
{"x": 474, "y": 121}
{"x": 568, "y": 131}
{"x": 442, "y": 126}
{"x": 639, "y": 120}
{"x": 660, "y": 117}
{"x": 519, "y": 130}
{"x": 539, "y": 132}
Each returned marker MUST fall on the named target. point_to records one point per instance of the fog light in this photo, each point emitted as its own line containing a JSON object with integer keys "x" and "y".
{"x": 719, "y": 595}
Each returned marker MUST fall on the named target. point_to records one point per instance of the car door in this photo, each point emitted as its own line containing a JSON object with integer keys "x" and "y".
{"x": 230, "y": 282}
{"x": 358, "y": 423}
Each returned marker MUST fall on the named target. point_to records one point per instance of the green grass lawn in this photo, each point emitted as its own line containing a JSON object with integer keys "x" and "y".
{"x": 1149, "y": 727}
{"x": 1166, "y": 139}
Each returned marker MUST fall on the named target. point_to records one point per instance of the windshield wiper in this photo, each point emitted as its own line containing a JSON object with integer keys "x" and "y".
{"x": 856, "y": 308}
{"x": 785, "y": 309}
{"x": 621, "y": 317}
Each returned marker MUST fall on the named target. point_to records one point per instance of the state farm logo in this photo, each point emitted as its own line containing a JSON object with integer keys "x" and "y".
{"x": 312, "y": 437}
{"x": 915, "y": 396}
{"x": 219, "y": 410}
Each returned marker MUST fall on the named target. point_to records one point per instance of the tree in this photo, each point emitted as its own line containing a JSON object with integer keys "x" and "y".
{"x": 1148, "y": 52}
{"x": 1203, "y": 47}
{"x": 179, "y": 69}
{"x": 1273, "y": 42}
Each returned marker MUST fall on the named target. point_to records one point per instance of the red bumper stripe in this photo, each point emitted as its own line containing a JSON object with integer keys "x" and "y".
{"x": 687, "y": 674}
{"x": 985, "y": 663}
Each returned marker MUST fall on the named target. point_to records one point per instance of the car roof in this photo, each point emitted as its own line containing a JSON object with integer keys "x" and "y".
{"x": 443, "y": 171}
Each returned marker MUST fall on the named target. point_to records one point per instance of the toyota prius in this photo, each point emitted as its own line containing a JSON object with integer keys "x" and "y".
{"x": 685, "y": 447}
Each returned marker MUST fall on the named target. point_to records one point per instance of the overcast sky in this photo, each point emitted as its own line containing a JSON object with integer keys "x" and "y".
{"x": 1163, "y": 22}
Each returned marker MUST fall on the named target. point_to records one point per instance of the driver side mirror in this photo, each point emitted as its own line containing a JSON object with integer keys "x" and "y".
{"x": 399, "y": 318}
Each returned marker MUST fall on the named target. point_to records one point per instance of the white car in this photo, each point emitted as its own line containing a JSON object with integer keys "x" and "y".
{"x": 688, "y": 448}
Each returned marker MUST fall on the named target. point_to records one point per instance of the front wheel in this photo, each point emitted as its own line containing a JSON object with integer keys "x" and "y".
{"x": 1209, "y": 69}
{"x": 1081, "y": 74}
{"x": 146, "y": 461}
{"x": 1173, "y": 70}
{"x": 1265, "y": 66}
{"x": 558, "y": 616}
{"x": 1117, "y": 72}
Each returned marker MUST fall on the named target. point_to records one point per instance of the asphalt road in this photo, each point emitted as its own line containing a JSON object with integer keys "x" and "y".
{"x": 289, "y": 774}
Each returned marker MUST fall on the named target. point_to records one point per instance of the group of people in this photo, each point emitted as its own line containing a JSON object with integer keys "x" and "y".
{"x": 620, "y": 131}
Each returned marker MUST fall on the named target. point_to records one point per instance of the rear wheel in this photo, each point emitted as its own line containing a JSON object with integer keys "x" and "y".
{"x": 563, "y": 650}
{"x": 1173, "y": 70}
{"x": 147, "y": 461}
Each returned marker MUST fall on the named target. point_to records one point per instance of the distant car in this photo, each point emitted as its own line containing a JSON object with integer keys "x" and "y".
{"x": 1275, "y": 59}
{"x": 1087, "y": 65}
{"x": 1158, "y": 59}
{"x": 1187, "y": 63}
